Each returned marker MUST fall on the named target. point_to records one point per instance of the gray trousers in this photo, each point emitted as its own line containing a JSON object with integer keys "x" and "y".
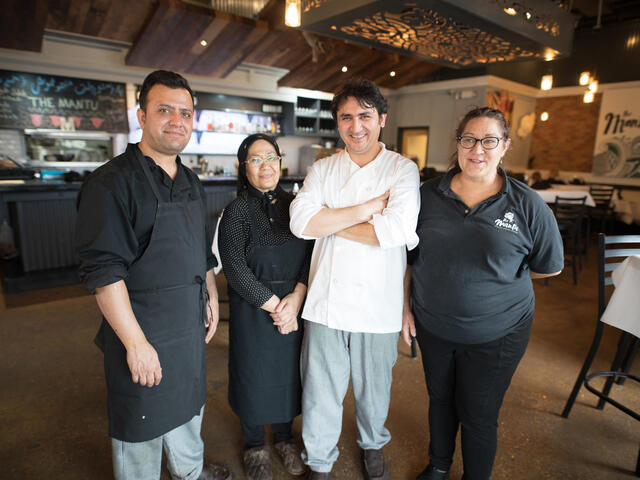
{"x": 143, "y": 460}
{"x": 327, "y": 360}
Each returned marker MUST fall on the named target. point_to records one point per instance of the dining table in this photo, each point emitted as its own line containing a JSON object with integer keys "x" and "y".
{"x": 623, "y": 309}
{"x": 567, "y": 191}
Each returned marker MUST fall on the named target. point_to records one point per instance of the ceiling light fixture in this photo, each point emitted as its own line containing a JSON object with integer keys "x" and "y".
{"x": 544, "y": 116}
{"x": 593, "y": 86}
{"x": 588, "y": 96}
{"x": 584, "y": 78}
{"x": 510, "y": 11}
{"x": 344, "y": 69}
{"x": 203, "y": 43}
{"x": 546, "y": 82}
{"x": 292, "y": 13}
{"x": 392, "y": 73}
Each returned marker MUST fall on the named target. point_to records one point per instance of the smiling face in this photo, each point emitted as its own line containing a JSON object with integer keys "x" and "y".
{"x": 359, "y": 128}
{"x": 263, "y": 177}
{"x": 166, "y": 121}
{"x": 479, "y": 163}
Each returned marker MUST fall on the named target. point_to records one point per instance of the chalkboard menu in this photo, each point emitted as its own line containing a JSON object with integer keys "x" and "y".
{"x": 31, "y": 100}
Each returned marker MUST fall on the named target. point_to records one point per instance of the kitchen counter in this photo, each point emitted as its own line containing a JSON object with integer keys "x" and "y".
{"x": 37, "y": 185}
{"x": 42, "y": 214}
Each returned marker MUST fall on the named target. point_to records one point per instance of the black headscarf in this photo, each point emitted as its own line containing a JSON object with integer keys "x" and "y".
{"x": 243, "y": 150}
{"x": 268, "y": 200}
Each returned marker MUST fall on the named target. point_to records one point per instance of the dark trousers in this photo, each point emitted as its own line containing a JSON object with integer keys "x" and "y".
{"x": 466, "y": 385}
{"x": 254, "y": 434}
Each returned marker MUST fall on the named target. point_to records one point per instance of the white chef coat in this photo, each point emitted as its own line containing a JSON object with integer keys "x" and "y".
{"x": 353, "y": 286}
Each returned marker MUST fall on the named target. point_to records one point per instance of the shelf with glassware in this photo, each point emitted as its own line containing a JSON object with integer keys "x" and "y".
{"x": 313, "y": 118}
{"x": 221, "y": 131}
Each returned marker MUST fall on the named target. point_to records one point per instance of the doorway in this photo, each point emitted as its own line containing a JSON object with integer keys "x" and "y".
{"x": 413, "y": 143}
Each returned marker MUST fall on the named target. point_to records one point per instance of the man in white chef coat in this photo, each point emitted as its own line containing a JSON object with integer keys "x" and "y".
{"x": 361, "y": 205}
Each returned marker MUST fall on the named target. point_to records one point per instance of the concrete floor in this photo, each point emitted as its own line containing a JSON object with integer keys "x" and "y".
{"x": 53, "y": 412}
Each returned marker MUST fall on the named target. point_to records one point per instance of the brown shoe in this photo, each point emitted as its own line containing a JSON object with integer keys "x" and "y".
{"x": 291, "y": 457}
{"x": 215, "y": 472}
{"x": 257, "y": 463}
{"x": 375, "y": 468}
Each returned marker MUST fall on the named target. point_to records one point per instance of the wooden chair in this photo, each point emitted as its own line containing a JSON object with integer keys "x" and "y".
{"x": 612, "y": 250}
{"x": 569, "y": 213}
{"x": 603, "y": 211}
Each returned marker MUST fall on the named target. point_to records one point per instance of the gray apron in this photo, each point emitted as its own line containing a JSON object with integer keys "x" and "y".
{"x": 168, "y": 295}
{"x": 264, "y": 365}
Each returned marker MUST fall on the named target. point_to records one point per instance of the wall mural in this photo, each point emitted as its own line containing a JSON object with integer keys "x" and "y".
{"x": 617, "y": 146}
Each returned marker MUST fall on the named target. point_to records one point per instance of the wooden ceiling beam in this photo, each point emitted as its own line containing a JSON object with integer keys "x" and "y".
{"x": 22, "y": 24}
{"x": 119, "y": 20}
{"x": 154, "y": 45}
{"x": 230, "y": 48}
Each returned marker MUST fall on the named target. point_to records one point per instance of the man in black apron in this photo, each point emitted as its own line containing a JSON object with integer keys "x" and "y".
{"x": 145, "y": 252}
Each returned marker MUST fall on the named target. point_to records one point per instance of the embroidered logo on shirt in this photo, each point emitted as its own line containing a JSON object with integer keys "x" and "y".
{"x": 507, "y": 222}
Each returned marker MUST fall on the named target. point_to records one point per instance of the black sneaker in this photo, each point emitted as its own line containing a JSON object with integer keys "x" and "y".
{"x": 433, "y": 473}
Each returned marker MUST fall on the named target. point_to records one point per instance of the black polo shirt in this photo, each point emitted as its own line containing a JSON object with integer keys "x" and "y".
{"x": 116, "y": 214}
{"x": 470, "y": 279}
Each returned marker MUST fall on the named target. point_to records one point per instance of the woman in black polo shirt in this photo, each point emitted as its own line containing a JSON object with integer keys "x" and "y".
{"x": 483, "y": 236}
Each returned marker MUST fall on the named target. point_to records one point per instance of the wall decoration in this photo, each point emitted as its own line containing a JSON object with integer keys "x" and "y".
{"x": 617, "y": 147}
{"x": 525, "y": 125}
{"x": 501, "y": 100}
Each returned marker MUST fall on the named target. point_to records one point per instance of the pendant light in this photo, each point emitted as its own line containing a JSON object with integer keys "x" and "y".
{"x": 588, "y": 96}
{"x": 292, "y": 13}
{"x": 546, "y": 82}
{"x": 584, "y": 78}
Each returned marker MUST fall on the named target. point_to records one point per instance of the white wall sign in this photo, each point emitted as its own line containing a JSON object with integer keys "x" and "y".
{"x": 617, "y": 147}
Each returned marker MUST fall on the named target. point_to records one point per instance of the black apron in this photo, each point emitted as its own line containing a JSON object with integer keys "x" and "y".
{"x": 168, "y": 295}
{"x": 264, "y": 365}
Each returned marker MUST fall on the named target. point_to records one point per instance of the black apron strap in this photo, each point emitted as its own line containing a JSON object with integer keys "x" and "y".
{"x": 252, "y": 221}
{"x": 147, "y": 173}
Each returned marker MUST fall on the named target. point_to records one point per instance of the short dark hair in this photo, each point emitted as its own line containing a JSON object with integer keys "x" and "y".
{"x": 364, "y": 91}
{"x": 478, "y": 112}
{"x": 166, "y": 78}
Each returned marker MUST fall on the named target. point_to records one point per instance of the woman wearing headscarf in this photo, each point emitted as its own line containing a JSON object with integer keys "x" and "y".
{"x": 267, "y": 269}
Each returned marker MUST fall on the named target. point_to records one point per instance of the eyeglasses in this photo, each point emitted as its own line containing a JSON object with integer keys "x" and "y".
{"x": 257, "y": 161}
{"x": 488, "y": 143}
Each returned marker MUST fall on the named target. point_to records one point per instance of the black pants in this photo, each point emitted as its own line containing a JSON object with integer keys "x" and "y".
{"x": 254, "y": 434}
{"x": 466, "y": 385}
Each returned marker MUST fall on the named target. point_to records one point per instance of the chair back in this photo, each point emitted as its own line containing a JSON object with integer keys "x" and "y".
{"x": 612, "y": 251}
{"x": 601, "y": 195}
{"x": 569, "y": 213}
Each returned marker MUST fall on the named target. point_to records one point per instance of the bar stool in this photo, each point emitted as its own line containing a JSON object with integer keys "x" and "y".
{"x": 616, "y": 248}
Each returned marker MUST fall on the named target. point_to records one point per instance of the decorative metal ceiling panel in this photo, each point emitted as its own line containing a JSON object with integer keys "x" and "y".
{"x": 243, "y": 8}
{"x": 456, "y": 33}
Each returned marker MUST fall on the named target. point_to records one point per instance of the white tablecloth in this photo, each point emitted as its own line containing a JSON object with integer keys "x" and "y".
{"x": 623, "y": 310}
{"x": 550, "y": 195}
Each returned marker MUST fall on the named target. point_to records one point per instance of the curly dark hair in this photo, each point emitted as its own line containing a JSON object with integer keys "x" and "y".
{"x": 166, "y": 78}
{"x": 364, "y": 91}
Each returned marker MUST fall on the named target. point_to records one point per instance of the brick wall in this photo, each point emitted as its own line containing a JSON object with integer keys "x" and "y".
{"x": 566, "y": 140}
